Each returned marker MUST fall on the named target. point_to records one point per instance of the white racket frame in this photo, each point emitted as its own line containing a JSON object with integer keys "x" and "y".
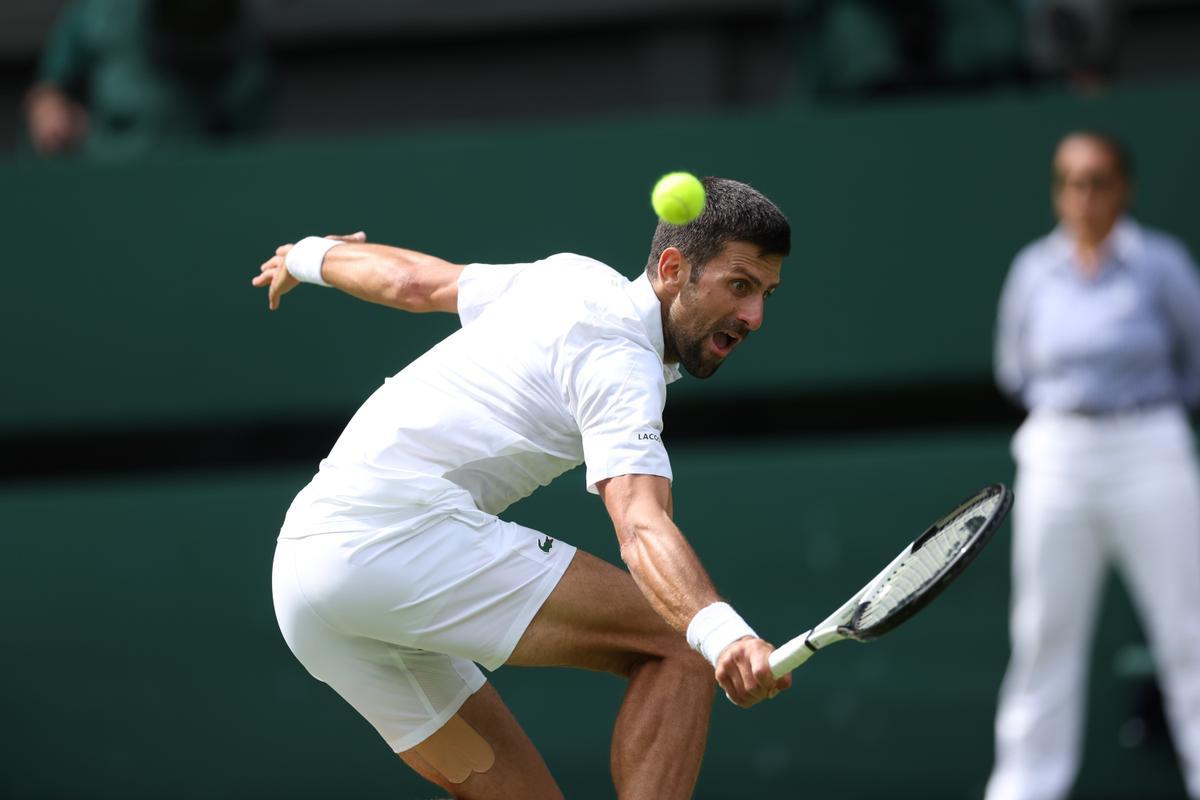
{"x": 795, "y": 652}
{"x": 837, "y": 626}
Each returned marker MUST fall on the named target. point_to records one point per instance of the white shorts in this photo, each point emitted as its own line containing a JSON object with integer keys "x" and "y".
{"x": 393, "y": 619}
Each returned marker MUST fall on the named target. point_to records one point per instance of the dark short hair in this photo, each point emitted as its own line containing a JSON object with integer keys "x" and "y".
{"x": 733, "y": 212}
{"x": 1121, "y": 154}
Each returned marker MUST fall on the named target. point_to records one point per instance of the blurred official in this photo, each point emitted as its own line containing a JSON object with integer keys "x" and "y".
{"x": 1099, "y": 338}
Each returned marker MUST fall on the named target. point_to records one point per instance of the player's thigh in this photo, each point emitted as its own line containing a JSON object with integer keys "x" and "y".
{"x": 483, "y": 753}
{"x": 597, "y": 618}
{"x": 434, "y": 710}
{"x": 466, "y": 585}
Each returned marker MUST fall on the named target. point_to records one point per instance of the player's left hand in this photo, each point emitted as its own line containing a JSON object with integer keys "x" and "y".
{"x": 744, "y": 672}
{"x": 274, "y": 274}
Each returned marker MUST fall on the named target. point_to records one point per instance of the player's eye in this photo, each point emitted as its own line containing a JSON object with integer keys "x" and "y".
{"x": 740, "y": 286}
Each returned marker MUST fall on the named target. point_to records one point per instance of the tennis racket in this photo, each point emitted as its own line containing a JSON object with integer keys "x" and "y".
{"x": 905, "y": 586}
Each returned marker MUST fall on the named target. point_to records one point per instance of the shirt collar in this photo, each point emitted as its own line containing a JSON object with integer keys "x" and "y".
{"x": 649, "y": 309}
{"x": 1126, "y": 240}
{"x": 1122, "y": 247}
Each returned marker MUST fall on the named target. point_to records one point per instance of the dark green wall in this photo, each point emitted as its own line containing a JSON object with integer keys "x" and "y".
{"x": 140, "y": 654}
{"x": 127, "y": 296}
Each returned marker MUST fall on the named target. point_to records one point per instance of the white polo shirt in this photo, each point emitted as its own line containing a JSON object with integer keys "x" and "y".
{"x": 558, "y": 362}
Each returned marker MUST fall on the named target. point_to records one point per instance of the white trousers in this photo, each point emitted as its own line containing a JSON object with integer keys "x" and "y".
{"x": 1091, "y": 492}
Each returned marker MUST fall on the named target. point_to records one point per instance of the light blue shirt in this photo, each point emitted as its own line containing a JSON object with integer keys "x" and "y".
{"x": 1128, "y": 337}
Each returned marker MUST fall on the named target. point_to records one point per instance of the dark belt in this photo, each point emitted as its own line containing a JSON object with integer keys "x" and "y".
{"x": 1136, "y": 409}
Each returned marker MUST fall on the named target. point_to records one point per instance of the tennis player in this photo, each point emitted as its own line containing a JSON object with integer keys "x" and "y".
{"x": 394, "y": 576}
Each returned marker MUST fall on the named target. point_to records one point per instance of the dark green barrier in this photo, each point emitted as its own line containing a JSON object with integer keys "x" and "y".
{"x": 126, "y": 297}
{"x": 141, "y": 657}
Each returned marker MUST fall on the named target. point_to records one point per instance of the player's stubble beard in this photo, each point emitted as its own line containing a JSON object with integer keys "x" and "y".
{"x": 686, "y": 337}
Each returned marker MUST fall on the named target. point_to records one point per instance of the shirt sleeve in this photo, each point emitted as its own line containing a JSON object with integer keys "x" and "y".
{"x": 1009, "y": 373}
{"x": 1181, "y": 304}
{"x": 1011, "y": 360}
{"x": 480, "y": 284}
{"x": 616, "y": 391}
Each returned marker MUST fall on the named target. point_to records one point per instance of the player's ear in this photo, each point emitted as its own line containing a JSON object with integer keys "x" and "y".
{"x": 673, "y": 270}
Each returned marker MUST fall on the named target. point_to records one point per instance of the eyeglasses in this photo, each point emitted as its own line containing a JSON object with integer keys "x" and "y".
{"x": 1092, "y": 182}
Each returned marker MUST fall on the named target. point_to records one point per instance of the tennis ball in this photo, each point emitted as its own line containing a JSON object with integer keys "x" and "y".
{"x": 678, "y": 197}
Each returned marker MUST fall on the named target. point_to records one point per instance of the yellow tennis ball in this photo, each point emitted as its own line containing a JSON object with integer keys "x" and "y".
{"x": 678, "y": 197}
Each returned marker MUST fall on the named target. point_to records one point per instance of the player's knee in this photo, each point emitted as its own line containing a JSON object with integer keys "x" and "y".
{"x": 454, "y": 753}
{"x": 695, "y": 666}
{"x": 675, "y": 655}
{"x": 693, "y": 674}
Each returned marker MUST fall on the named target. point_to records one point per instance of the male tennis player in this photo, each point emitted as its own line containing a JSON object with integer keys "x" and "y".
{"x": 393, "y": 573}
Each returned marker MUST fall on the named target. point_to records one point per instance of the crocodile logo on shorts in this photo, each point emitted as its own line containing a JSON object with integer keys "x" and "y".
{"x": 546, "y": 545}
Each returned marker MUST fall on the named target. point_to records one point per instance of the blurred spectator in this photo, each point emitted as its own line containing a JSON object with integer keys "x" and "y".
{"x": 1098, "y": 336}
{"x": 119, "y": 76}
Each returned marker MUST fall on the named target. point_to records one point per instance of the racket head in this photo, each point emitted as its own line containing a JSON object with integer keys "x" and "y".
{"x": 928, "y": 565}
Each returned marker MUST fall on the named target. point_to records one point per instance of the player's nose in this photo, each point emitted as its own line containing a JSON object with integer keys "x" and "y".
{"x": 751, "y": 312}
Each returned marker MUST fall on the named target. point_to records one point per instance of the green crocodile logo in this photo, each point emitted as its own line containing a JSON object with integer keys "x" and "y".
{"x": 546, "y": 545}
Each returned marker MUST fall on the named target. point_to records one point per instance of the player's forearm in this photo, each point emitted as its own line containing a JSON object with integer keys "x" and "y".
{"x": 665, "y": 568}
{"x": 392, "y": 276}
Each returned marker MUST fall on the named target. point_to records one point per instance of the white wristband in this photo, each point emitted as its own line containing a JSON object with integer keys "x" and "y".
{"x": 714, "y": 628}
{"x": 305, "y": 258}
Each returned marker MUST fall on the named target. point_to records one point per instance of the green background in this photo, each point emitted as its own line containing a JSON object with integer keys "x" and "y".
{"x": 127, "y": 299}
{"x": 141, "y": 657}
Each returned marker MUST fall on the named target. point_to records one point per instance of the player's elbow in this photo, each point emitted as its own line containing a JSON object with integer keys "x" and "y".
{"x": 632, "y": 559}
{"x": 642, "y": 542}
{"x": 405, "y": 290}
{"x": 630, "y": 540}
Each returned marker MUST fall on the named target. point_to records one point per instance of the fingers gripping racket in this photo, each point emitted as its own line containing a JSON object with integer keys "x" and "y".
{"x": 907, "y": 584}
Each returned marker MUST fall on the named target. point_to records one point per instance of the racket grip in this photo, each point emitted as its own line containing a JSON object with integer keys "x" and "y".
{"x": 790, "y": 655}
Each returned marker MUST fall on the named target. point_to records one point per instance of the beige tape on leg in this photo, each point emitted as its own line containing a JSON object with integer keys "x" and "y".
{"x": 457, "y": 750}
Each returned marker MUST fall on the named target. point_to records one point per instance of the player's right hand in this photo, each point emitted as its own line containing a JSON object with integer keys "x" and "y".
{"x": 744, "y": 672}
{"x": 274, "y": 274}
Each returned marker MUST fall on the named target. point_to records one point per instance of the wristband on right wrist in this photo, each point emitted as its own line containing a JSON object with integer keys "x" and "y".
{"x": 714, "y": 628}
{"x": 306, "y": 256}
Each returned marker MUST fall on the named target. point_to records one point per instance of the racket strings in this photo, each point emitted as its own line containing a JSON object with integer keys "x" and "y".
{"x": 926, "y": 565}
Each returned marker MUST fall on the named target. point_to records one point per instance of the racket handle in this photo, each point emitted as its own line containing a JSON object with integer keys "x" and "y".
{"x": 790, "y": 655}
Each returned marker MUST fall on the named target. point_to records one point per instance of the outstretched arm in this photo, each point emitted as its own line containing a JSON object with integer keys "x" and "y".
{"x": 390, "y": 276}
{"x": 666, "y": 569}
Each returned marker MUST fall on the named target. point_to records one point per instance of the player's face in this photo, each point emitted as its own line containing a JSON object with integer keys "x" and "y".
{"x": 713, "y": 314}
{"x": 1089, "y": 191}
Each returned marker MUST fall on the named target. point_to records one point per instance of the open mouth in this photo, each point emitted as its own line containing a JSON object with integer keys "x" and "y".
{"x": 724, "y": 342}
